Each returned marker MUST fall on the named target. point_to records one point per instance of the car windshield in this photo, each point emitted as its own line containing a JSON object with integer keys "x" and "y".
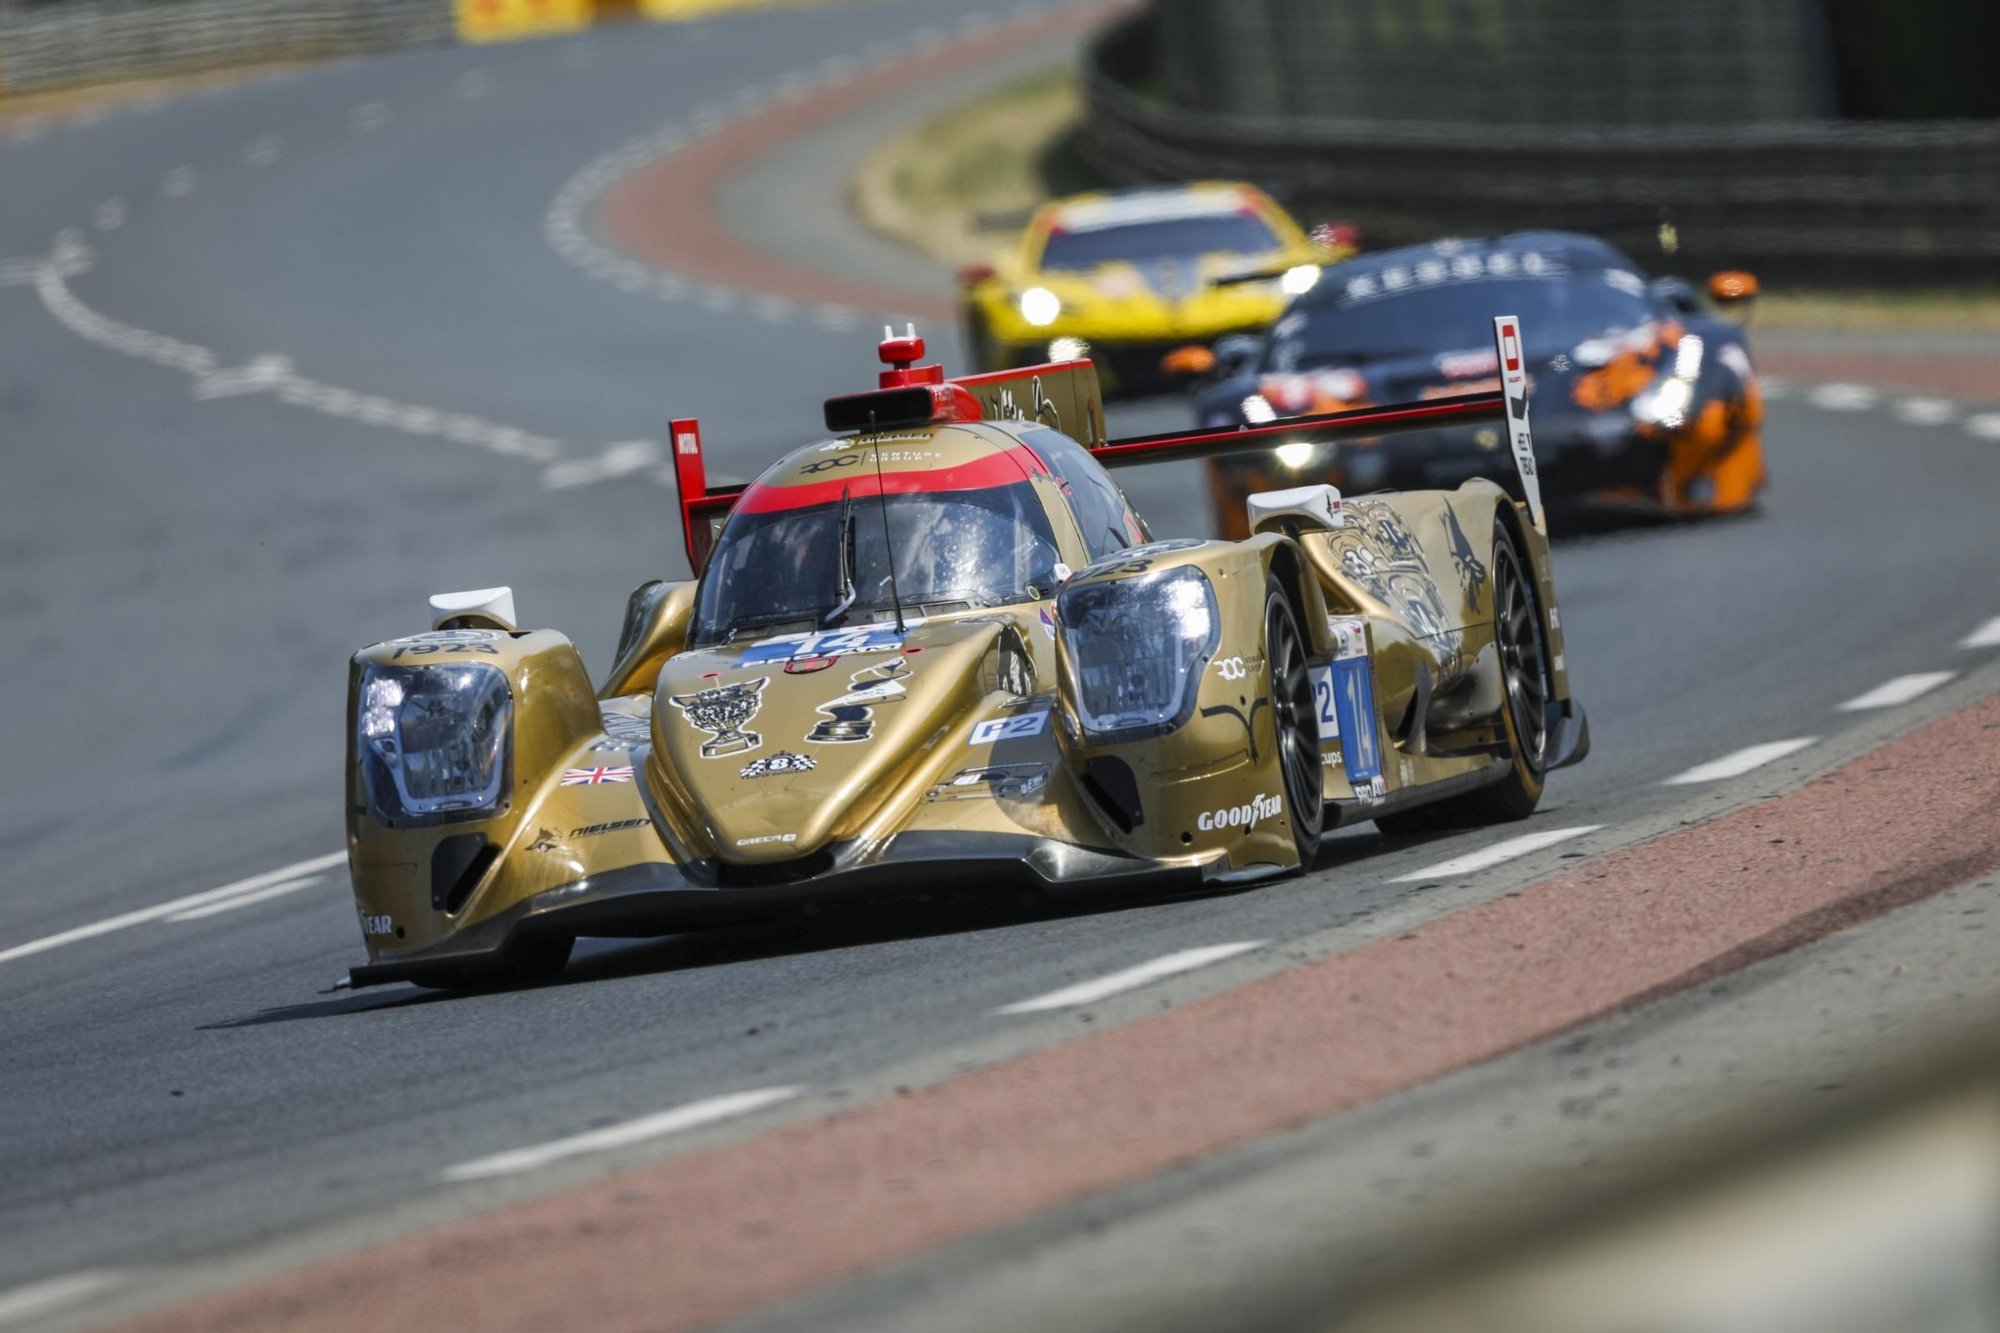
{"x": 1557, "y": 314}
{"x": 954, "y": 550}
{"x": 1165, "y": 238}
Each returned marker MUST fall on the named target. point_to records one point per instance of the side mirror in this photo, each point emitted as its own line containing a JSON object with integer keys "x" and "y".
{"x": 972, "y": 275}
{"x": 1340, "y": 239}
{"x": 1726, "y": 287}
{"x": 1676, "y": 295}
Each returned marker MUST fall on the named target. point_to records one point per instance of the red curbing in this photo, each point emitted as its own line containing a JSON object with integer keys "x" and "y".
{"x": 665, "y": 212}
{"x": 721, "y": 1232}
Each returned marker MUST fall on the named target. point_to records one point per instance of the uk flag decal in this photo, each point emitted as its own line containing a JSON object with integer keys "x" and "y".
{"x": 591, "y": 777}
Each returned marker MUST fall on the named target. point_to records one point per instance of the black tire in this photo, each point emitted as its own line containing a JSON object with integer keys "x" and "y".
{"x": 1524, "y": 667}
{"x": 530, "y": 962}
{"x": 1296, "y": 720}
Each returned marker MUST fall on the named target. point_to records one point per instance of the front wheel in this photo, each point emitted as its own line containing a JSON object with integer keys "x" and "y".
{"x": 1524, "y": 670}
{"x": 1297, "y": 723}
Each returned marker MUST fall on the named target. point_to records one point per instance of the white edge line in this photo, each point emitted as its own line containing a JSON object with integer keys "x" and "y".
{"x": 246, "y": 899}
{"x": 1898, "y": 691}
{"x": 681, "y": 1118}
{"x": 1131, "y": 978}
{"x": 1986, "y": 636}
{"x": 1741, "y": 761}
{"x": 1496, "y": 854}
{"x": 41, "y": 1297}
{"x": 154, "y": 913}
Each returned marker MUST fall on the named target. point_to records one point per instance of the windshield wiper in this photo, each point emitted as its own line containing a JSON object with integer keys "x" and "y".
{"x": 847, "y": 561}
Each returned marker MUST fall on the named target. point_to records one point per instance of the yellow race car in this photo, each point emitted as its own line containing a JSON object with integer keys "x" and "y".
{"x": 1121, "y": 277}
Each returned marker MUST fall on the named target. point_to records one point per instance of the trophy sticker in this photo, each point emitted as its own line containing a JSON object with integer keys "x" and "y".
{"x": 721, "y": 711}
{"x": 851, "y": 716}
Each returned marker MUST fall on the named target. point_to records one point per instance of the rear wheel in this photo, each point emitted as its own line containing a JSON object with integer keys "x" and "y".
{"x": 1297, "y": 722}
{"x": 1524, "y": 671}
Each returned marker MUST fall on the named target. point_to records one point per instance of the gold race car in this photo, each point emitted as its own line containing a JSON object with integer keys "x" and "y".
{"x": 938, "y": 647}
{"x": 1123, "y": 276}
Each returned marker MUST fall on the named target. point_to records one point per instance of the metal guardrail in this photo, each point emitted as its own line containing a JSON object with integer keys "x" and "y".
{"x": 56, "y": 45}
{"x": 1807, "y": 195}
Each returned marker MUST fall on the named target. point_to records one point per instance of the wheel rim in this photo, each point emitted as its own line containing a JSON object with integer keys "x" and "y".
{"x": 1298, "y": 726}
{"x": 1518, "y": 632}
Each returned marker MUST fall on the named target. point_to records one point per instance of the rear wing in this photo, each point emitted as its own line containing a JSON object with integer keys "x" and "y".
{"x": 1510, "y": 405}
{"x": 1064, "y": 396}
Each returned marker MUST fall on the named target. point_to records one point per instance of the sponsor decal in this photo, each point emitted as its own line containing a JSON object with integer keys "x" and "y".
{"x": 850, "y": 717}
{"x": 780, "y": 761}
{"x": 993, "y": 781}
{"x": 377, "y": 925}
{"x": 1231, "y": 668}
{"x": 826, "y": 464}
{"x": 1019, "y": 727}
{"x": 721, "y": 711}
{"x": 1371, "y": 792}
{"x": 591, "y": 777}
{"x": 1240, "y": 816}
{"x": 828, "y": 643}
{"x": 445, "y": 641}
{"x": 627, "y": 729}
{"x": 805, "y": 666}
{"x": 615, "y": 826}
{"x": 1048, "y": 623}
{"x": 768, "y": 837}
{"x": 1350, "y": 637}
{"x": 1471, "y": 570}
{"x": 1507, "y": 342}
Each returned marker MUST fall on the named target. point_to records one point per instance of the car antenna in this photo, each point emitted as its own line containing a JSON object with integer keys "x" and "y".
{"x": 888, "y": 544}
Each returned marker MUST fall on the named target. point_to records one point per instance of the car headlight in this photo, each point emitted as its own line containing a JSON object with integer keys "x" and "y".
{"x": 1138, "y": 646}
{"x": 435, "y": 743}
{"x": 1040, "y": 306}
{"x": 1299, "y": 279}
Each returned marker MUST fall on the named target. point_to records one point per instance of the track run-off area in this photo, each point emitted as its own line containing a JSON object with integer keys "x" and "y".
{"x": 278, "y": 360}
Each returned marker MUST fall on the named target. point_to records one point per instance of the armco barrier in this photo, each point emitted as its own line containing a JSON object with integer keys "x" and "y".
{"x": 92, "y": 42}
{"x": 1841, "y": 200}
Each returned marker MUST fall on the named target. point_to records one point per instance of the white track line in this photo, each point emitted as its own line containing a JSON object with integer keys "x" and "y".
{"x": 692, "y": 1115}
{"x": 155, "y": 913}
{"x": 1731, "y": 765}
{"x": 1084, "y": 992}
{"x": 1899, "y": 691}
{"x": 1843, "y": 397}
{"x": 245, "y": 899}
{"x": 1494, "y": 855}
{"x": 41, "y": 1297}
{"x": 1926, "y": 411}
{"x": 1986, "y": 636}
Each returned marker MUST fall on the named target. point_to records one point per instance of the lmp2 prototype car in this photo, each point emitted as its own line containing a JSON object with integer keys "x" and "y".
{"x": 1124, "y": 275}
{"x": 1644, "y": 401}
{"x": 939, "y": 649}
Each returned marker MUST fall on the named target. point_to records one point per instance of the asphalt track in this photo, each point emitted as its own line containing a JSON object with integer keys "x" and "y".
{"x": 192, "y": 540}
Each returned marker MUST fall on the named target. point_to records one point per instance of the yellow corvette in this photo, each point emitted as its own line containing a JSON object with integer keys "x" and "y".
{"x": 1121, "y": 277}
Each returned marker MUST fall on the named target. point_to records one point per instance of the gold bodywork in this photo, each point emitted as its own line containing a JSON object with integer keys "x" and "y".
{"x": 862, "y": 758}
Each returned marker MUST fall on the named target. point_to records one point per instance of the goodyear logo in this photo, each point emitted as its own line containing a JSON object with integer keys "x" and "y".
{"x": 1240, "y": 816}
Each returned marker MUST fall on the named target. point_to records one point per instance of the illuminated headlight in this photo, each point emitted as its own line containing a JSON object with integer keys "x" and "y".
{"x": 1257, "y": 410}
{"x": 1068, "y": 349}
{"x": 1138, "y": 646}
{"x": 1665, "y": 404}
{"x": 1040, "y": 306}
{"x": 1295, "y": 455}
{"x": 435, "y": 743}
{"x": 1299, "y": 279}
